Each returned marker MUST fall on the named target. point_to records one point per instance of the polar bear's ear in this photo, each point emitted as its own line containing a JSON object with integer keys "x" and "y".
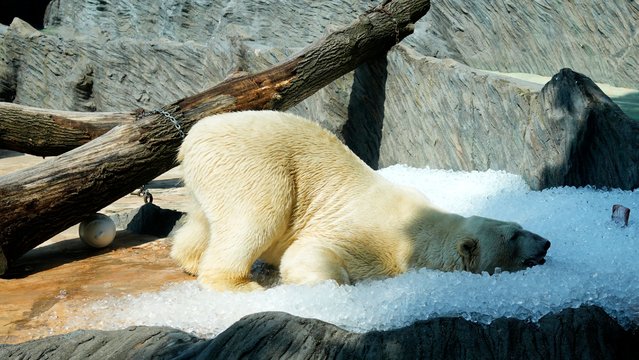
{"x": 468, "y": 249}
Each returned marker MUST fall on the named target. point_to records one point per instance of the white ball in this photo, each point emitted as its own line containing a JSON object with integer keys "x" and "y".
{"x": 97, "y": 231}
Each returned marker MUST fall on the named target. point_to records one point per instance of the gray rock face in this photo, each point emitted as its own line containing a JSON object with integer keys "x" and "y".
{"x": 598, "y": 39}
{"x": 88, "y": 73}
{"x": 592, "y": 37}
{"x": 274, "y": 23}
{"x": 456, "y": 117}
{"x": 598, "y": 144}
{"x": 584, "y": 333}
{"x": 131, "y": 343}
{"x": 85, "y": 74}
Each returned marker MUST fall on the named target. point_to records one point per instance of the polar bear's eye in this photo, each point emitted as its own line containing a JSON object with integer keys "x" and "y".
{"x": 515, "y": 236}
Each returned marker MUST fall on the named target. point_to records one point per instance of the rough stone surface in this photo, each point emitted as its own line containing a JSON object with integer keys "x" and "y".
{"x": 267, "y": 22}
{"x": 592, "y": 37}
{"x": 52, "y": 69}
{"x": 597, "y": 143}
{"x": 131, "y": 343}
{"x": 567, "y": 132}
{"x": 596, "y": 38}
{"x": 583, "y": 333}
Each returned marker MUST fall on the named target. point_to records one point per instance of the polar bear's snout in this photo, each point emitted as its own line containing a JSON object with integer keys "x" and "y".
{"x": 539, "y": 248}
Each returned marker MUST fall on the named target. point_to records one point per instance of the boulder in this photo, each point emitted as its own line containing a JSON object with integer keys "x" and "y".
{"x": 597, "y": 143}
{"x": 583, "y": 333}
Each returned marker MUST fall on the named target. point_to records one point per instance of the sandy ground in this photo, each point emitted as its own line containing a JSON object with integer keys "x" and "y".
{"x": 62, "y": 275}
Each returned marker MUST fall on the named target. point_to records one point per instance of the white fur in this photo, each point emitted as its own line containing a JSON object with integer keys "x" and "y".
{"x": 276, "y": 187}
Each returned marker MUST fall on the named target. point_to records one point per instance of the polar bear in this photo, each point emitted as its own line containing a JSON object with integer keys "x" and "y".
{"x": 276, "y": 187}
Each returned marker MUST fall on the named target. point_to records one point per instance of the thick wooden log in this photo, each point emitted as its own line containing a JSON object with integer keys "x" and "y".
{"x": 46, "y": 132}
{"x": 39, "y": 202}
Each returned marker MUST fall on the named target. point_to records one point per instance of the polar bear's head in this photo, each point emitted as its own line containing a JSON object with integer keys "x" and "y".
{"x": 486, "y": 244}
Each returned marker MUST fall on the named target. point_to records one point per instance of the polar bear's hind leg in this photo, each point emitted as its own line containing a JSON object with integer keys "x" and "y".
{"x": 190, "y": 240}
{"x": 226, "y": 263}
{"x": 243, "y": 230}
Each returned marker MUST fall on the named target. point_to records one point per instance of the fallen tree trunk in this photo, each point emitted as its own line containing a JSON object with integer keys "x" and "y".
{"x": 42, "y": 201}
{"x": 44, "y": 132}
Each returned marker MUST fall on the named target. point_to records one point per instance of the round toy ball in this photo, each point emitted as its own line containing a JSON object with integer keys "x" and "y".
{"x": 98, "y": 231}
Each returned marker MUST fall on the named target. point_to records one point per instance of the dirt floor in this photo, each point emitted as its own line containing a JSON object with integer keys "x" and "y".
{"x": 47, "y": 284}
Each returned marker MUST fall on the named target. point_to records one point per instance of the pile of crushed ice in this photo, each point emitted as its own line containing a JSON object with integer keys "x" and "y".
{"x": 592, "y": 261}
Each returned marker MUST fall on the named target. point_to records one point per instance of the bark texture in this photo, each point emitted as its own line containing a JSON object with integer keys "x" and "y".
{"x": 46, "y": 132}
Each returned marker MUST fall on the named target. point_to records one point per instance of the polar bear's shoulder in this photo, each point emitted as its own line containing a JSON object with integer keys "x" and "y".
{"x": 265, "y": 121}
{"x": 246, "y": 126}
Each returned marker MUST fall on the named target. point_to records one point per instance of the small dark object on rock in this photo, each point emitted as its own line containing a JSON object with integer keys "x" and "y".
{"x": 620, "y": 214}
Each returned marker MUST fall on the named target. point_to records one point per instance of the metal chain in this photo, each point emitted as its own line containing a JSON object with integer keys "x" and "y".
{"x": 173, "y": 120}
{"x": 167, "y": 115}
{"x": 382, "y": 9}
{"x": 390, "y": 14}
{"x": 144, "y": 193}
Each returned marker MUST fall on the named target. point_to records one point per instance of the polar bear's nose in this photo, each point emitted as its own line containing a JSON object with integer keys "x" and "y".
{"x": 538, "y": 256}
{"x": 542, "y": 243}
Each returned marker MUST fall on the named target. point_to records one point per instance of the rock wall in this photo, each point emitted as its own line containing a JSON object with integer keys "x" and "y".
{"x": 592, "y": 37}
{"x": 443, "y": 114}
{"x": 584, "y": 333}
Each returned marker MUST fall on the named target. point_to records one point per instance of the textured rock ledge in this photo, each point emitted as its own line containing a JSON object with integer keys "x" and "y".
{"x": 583, "y": 333}
{"x": 592, "y": 37}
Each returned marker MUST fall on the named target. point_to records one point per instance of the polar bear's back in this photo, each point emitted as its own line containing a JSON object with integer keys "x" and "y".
{"x": 252, "y": 150}
{"x": 268, "y": 136}
{"x": 275, "y": 171}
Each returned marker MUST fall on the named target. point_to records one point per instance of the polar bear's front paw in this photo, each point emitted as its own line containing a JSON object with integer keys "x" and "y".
{"x": 190, "y": 267}
{"x": 226, "y": 284}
